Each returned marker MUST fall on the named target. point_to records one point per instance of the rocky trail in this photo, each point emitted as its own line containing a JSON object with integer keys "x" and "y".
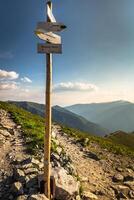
{"x": 95, "y": 172}
{"x": 104, "y": 176}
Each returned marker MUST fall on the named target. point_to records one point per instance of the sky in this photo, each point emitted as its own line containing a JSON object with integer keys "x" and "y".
{"x": 97, "y": 62}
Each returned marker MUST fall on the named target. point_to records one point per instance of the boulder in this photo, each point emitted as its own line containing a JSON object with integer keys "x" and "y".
{"x": 17, "y": 188}
{"x": 66, "y": 187}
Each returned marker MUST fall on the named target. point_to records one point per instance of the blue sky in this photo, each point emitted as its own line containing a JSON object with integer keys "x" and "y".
{"x": 98, "y": 51}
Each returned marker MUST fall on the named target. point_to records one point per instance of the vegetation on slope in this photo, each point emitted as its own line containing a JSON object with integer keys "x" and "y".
{"x": 32, "y": 125}
{"x": 106, "y": 143}
{"x": 33, "y": 129}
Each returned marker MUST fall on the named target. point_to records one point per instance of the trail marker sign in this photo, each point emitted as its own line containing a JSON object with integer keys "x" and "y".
{"x": 44, "y": 31}
{"x": 50, "y": 26}
{"x": 48, "y": 36}
{"x": 50, "y": 48}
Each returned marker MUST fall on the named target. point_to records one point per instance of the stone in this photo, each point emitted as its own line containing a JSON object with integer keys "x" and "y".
{"x": 35, "y": 161}
{"x": 19, "y": 175}
{"x": 17, "y": 188}
{"x": 121, "y": 189}
{"x": 22, "y": 197}
{"x": 130, "y": 184}
{"x": 55, "y": 156}
{"x": 59, "y": 150}
{"x": 89, "y": 196}
{"x": 118, "y": 178}
{"x": 129, "y": 178}
{"x": 5, "y": 133}
{"x": 53, "y": 134}
{"x": 119, "y": 169}
{"x": 38, "y": 197}
{"x": 31, "y": 171}
{"x": 32, "y": 180}
{"x": 131, "y": 194}
{"x": 66, "y": 187}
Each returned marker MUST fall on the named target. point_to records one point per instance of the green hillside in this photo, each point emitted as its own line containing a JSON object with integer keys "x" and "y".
{"x": 123, "y": 138}
{"x": 33, "y": 130}
{"x": 64, "y": 117}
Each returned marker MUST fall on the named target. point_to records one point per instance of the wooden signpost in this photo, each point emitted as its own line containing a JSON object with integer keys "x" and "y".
{"x": 53, "y": 45}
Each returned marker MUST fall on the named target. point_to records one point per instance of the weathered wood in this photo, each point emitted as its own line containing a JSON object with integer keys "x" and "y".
{"x": 50, "y": 26}
{"x": 50, "y": 14}
{"x": 47, "y": 136}
{"x": 48, "y": 36}
{"x": 49, "y": 48}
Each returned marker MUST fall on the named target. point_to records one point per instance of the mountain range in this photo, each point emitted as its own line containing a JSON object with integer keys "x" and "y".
{"x": 64, "y": 117}
{"x": 117, "y": 115}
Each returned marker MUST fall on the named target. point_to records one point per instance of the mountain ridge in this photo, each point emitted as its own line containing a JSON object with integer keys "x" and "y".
{"x": 64, "y": 117}
{"x": 112, "y": 115}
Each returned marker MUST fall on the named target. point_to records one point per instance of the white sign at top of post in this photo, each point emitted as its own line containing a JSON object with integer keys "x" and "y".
{"x": 50, "y": 14}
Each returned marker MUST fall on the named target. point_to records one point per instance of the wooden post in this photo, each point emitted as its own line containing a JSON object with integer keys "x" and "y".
{"x": 47, "y": 137}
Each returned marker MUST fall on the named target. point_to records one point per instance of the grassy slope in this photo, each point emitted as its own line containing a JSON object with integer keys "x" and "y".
{"x": 32, "y": 125}
{"x": 106, "y": 143}
{"x": 33, "y": 128}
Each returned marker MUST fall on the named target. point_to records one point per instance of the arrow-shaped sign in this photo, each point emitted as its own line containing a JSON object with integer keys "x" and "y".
{"x": 48, "y": 36}
{"x": 51, "y": 26}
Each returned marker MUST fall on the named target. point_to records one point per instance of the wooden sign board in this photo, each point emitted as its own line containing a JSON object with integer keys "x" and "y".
{"x": 50, "y": 48}
{"x": 50, "y": 14}
{"x": 48, "y": 36}
{"x": 51, "y": 26}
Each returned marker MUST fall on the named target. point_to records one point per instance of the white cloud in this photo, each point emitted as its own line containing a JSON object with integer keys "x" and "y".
{"x": 8, "y": 75}
{"x": 26, "y": 80}
{"x": 8, "y": 86}
{"x": 74, "y": 86}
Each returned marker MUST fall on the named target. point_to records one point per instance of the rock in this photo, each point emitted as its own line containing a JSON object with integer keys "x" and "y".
{"x": 17, "y": 188}
{"x": 35, "y": 161}
{"x": 119, "y": 169}
{"x": 31, "y": 171}
{"x": 22, "y": 197}
{"x": 130, "y": 184}
{"x": 84, "y": 179}
{"x": 89, "y": 196}
{"x": 32, "y": 180}
{"x": 53, "y": 134}
{"x": 118, "y": 178}
{"x": 59, "y": 150}
{"x": 65, "y": 185}
{"x": 19, "y": 175}
{"x": 55, "y": 156}
{"x": 129, "y": 178}
{"x": 121, "y": 189}
{"x": 78, "y": 197}
{"x": 5, "y": 133}
{"x": 38, "y": 197}
{"x": 26, "y": 166}
{"x": 131, "y": 194}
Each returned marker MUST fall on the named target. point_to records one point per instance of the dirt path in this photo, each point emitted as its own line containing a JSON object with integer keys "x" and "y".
{"x": 94, "y": 174}
{"x": 11, "y": 148}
